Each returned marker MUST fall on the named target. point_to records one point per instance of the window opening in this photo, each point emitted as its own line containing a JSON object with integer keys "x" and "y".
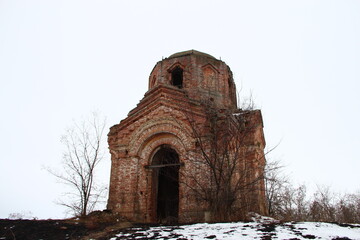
{"x": 177, "y": 77}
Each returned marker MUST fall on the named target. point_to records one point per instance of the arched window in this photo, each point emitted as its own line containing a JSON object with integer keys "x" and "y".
{"x": 177, "y": 77}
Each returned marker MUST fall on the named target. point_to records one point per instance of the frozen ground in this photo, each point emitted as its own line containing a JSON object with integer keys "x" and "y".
{"x": 262, "y": 228}
{"x": 252, "y": 230}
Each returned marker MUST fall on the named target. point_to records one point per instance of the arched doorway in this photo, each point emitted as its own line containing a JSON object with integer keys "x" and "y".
{"x": 165, "y": 165}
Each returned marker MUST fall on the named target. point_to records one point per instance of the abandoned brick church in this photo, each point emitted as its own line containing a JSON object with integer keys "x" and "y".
{"x": 187, "y": 153}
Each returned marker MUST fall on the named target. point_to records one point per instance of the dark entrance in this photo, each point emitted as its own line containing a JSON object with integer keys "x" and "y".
{"x": 165, "y": 166}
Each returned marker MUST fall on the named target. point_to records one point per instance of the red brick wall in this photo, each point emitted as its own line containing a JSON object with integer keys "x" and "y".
{"x": 167, "y": 116}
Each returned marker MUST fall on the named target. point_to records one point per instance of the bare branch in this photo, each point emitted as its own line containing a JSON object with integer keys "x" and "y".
{"x": 83, "y": 152}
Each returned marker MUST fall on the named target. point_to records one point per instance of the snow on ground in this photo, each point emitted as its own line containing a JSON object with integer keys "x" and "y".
{"x": 250, "y": 230}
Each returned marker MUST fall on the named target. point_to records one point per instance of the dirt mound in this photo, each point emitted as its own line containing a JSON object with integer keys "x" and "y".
{"x": 41, "y": 229}
{"x": 97, "y": 225}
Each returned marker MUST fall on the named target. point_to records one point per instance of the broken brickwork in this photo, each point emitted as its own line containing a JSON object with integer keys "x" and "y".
{"x": 155, "y": 151}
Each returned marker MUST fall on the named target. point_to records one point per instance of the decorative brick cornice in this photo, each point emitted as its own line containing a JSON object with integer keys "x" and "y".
{"x": 161, "y": 95}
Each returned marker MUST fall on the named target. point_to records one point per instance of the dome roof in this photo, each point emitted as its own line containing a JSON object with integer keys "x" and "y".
{"x": 189, "y": 52}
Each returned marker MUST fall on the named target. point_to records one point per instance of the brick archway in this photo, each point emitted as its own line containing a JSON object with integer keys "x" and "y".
{"x": 147, "y": 154}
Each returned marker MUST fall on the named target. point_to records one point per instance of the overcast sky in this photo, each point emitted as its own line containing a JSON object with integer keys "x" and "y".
{"x": 61, "y": 60}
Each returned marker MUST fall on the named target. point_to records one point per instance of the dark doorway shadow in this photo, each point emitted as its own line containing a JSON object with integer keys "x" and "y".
{"x": 166, "y": 178}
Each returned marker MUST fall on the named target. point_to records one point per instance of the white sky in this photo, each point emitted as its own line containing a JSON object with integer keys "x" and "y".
{"x": 60, "y": 60}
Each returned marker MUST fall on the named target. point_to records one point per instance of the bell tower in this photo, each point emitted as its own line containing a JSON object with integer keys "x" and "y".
{"x": 157, "y": 151}
{"x": 200, "y": 75}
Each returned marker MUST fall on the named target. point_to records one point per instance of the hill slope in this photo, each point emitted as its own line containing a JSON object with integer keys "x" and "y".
{"x": 251, "y": 230}
{"x": 262, "y": 228}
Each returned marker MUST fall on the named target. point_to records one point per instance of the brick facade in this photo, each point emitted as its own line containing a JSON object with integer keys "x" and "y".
{"x": 158, "y": 139}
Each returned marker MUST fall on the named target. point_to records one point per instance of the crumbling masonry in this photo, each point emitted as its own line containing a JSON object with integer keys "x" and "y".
{"x": 156, "y": 152}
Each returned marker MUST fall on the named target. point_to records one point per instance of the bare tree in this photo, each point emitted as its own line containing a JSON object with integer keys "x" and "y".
{"x": 323, "y": 205}
{"x": 233, "y": 158}
{"x": 348, "y": 208}
{"x": 83, "y": 152}
{"x": 275, "y": 184}
{"x": 289, "y": 202}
